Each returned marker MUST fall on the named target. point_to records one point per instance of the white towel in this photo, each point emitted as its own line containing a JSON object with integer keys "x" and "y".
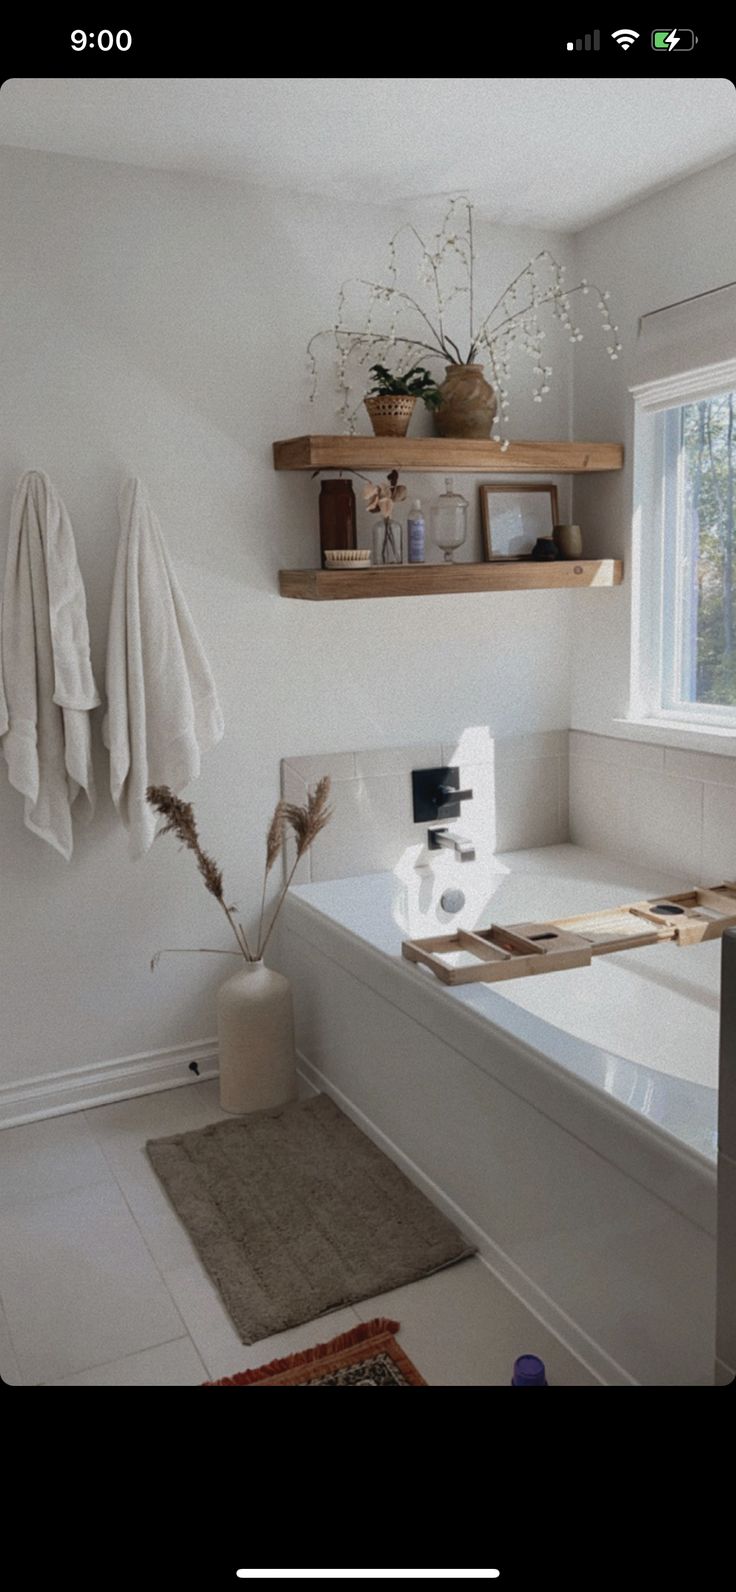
{"x": 162, "y": 707}
{"x": 49, "y": 689}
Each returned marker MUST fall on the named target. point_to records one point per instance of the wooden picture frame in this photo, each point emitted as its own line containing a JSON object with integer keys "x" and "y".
{"x": 538, "y": 521}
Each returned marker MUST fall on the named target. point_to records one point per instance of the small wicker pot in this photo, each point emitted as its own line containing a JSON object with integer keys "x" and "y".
{"x": 390, "y": 413}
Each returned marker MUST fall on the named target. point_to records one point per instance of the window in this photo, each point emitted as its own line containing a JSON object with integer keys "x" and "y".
{"x": 685, "y": 563}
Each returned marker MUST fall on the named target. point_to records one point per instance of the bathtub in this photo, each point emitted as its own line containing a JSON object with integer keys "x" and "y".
{"x": 567, "y": 1123}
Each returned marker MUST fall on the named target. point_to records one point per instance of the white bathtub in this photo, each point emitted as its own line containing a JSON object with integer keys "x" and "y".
{"x": 568, "y": 1122}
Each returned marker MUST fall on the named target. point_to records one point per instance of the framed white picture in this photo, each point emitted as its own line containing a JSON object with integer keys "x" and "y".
{"x": 514, "y": 518}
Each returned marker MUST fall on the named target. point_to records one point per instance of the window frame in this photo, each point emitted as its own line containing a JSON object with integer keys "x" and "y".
{"x": 659, "y": 561}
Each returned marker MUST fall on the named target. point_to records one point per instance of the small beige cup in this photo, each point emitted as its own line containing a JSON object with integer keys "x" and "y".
{"x": 568, "y": 541}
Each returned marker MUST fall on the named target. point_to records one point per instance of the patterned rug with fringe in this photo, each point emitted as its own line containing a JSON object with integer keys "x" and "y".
{"x": 368, "y": 1356}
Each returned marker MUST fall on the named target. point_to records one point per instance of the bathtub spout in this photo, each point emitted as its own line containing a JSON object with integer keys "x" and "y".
{"x": 464, "y": 849}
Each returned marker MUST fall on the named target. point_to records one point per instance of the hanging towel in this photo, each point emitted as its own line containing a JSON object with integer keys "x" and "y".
{"x": 47, "y": 688}
{"x": 162, "y": 707}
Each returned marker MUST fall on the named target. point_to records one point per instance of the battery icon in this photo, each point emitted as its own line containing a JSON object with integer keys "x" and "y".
{"x": 673, "y": 39}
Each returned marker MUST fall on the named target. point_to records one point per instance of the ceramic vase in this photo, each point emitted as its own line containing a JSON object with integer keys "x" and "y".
{"x": 568, "y": 540}
{"x": 468, "y": 403}
{"x": 255, "y": 1030}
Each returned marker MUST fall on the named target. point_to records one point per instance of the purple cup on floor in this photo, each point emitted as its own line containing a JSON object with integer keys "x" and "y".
{"x": 529, "y": 1372}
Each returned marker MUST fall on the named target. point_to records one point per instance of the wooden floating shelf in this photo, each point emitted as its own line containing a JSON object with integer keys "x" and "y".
{"x": 446, "y": 454}
{"x": 433, "y": 580}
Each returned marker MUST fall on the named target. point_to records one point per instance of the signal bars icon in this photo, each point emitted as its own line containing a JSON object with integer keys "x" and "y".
{"x": 592, "y": 42}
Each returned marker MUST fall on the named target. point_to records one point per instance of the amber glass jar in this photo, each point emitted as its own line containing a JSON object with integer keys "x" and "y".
{"x": 337, "y": 522}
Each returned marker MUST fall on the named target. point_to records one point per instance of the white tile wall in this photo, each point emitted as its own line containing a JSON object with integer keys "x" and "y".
{"x": 598, "y": 806}
{"x": 528, "y": 811}
{"x": 609, "y": 749}
{"x": 665, "y": 821}
{"x": 370, "y": 828}
{"x": 393, "y": 759}
{"x": 666, "y": 807}
{"x": 519, "y": 786}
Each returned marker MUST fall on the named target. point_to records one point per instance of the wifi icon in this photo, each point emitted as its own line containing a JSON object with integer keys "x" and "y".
{"x": 625, "y": 37}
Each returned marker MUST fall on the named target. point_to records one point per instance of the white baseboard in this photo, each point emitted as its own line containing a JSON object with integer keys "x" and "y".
{"x": 590, "y": 1354}
{"x": 106, "y": 1081}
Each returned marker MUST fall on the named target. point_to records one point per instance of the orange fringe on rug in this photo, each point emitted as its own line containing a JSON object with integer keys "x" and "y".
{"x": 371, "y": 1337}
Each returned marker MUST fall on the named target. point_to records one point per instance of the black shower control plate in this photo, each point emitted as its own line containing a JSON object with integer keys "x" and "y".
{"x": 425, "y": 786}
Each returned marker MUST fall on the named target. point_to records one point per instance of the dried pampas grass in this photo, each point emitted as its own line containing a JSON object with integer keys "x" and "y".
{"x": 305, "y": 822}
{"x": 275, "y": 835}
{"x": 180, "y": 821}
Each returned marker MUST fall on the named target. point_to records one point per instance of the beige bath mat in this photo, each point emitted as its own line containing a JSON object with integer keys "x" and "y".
{"x": 295, "y": 1212}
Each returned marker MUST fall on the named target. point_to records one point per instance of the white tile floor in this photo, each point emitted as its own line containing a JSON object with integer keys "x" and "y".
{"x": 100, "y": 1285}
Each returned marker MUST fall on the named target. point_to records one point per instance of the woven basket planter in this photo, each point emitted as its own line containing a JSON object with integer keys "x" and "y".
{"x": 390, "y": 414}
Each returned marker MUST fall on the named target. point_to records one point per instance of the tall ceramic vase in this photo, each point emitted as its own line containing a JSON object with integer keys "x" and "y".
{"x": 255, "y": 1028}
{"x": 467, "y": 403}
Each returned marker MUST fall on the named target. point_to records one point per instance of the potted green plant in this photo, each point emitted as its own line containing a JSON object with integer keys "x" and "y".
{"x": 392, "y": 398}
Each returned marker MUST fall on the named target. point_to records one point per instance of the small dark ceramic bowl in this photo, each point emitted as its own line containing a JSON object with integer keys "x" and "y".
{"x": 544, "y": 548}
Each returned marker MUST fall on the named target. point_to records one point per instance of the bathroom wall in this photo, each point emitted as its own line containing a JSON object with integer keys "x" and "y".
{"x": 156, "y": 323}
{"x": 661, "y": 798}
{"x": 675, "y": 244}
{"x": 666, "y": 807}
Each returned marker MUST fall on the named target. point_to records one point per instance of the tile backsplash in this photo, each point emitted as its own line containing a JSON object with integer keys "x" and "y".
{"x": 519, "y": 786}
{"x": 669, "y": 808}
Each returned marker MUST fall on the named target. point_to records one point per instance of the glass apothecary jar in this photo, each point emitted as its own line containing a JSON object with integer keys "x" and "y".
{"x": 449, "y": 519}
{"x": 388, "y": 543}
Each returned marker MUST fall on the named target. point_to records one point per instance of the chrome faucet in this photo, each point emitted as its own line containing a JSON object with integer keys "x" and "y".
{"x": 443, "y": 838}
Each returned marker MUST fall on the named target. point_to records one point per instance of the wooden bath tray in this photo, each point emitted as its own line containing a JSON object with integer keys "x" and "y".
{"x": 518, "y": 950}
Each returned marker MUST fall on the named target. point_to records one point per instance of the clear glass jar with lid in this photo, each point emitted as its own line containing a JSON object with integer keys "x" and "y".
{"x": 449, "y": 519}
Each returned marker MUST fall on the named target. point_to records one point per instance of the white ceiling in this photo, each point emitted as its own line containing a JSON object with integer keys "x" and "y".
{"x": 543, "y": 151}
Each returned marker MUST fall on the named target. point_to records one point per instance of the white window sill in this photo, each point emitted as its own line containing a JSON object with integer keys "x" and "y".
{"x": 673, "y": 732}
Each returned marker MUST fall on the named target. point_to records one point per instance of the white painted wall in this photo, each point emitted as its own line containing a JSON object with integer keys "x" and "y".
{"x": 156, "y": 323}
{"x": 678, "y": 243}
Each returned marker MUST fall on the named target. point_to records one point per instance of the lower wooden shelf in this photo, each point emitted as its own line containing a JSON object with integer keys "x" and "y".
{"x": 433, "y": 580}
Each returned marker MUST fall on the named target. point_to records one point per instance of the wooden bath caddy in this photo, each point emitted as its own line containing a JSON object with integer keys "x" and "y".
{"x": 518, "y": 950}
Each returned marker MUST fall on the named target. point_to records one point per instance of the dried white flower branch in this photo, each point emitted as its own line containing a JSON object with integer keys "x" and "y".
{"x": 514, "y": 322}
